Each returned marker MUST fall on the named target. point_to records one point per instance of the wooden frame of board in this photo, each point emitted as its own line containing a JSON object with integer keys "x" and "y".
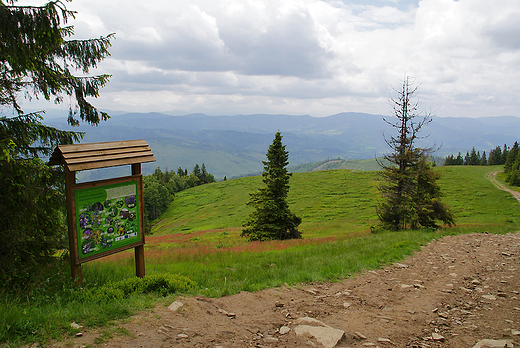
{"x": 93, "y": 156}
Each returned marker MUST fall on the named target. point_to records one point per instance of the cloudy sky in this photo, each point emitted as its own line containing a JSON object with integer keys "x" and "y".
{"x": 315, "y": 57}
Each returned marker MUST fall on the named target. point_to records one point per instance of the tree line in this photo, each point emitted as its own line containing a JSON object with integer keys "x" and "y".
{"x": 509, "y": 157}
{"x": 497, "y": 156}
{"x": 160, "y": 187}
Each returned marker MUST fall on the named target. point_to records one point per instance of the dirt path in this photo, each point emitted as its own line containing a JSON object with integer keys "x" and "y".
{"x": 492, "y": 177}
{"x": 458, "y": 290}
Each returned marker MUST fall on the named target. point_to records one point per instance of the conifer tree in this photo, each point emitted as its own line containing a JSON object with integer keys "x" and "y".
{"x": 272, "y": 218}
{"x": 483, "y": 159}
{"x": 511, "y": 157}
{"x": 495, "y": 156}
{"x": 512, "y": 165}
{"x": 204, "y": 174}
{"x": 473, "y": 158}
{"x": 505, "y": 153}
{"x": 409, "y": 189}
{"x": 459, "y": 161}
{"x": 197, "y": 172}
{"x": 38, "y": 59}
{"x": 449, "y": 161}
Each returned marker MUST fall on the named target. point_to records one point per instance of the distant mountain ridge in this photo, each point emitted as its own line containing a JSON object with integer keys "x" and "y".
{"x": 236, "y": 145}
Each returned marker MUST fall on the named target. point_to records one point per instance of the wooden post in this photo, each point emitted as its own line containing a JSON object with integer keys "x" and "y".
{"x": 139, "y": 251}
{"x": 70, "y": 179}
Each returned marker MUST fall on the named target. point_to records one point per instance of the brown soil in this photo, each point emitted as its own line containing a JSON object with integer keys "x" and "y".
{"x": 463, "y": 288}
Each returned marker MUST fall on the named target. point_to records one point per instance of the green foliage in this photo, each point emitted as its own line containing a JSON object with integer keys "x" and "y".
{"x": 450, "y": 160}
{"x": 32, "y": 214}
{"x": 156, "y": 197}
{"x": 44, "y": 307}
{"x": 428, "y": 206}
{"x": 511, "y": 158}
{"x": 25, "y": 136}
{"x": 161, "y": 284}
{"x": 160, "y": 187}
{"x": 512, "y": 166}
{"x": 411, "y": 195}
{"x": 37, "y": 59}
{"x": 272, "y": 218}
{"x": 497, "y": 156}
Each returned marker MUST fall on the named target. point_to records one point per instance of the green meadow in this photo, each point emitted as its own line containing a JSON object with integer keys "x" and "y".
{"x": 199, "y": 238}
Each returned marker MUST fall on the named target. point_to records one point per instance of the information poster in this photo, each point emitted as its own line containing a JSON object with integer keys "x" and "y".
{"x": 107, "y": 217}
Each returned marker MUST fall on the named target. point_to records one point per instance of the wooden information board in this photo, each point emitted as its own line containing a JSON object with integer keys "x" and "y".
{"x": 107, "y": 216}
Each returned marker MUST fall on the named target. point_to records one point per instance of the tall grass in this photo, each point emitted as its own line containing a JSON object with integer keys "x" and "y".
{"x": 198, "y": 237}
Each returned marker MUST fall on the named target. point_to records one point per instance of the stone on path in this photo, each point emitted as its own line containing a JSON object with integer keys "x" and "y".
{"x": 489, "y": 297}
{"x": 284, "y": 330}
{"x": 437, "y": 337}
{"x": 323, "y": 333}
{"x": 360, "y": 335}
{"x": 493, "y": 344}
{"x": 270, "y": 339}
{"x": 175, "y": 306}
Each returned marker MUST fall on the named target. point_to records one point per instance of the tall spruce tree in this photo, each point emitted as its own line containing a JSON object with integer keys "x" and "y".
{"x": 38, "y": 58}
{"x": 272, "y": 218}
{"x": 409, "y": 189}
{"x": 512, "y": 165}
{"x": 511, "y": 157}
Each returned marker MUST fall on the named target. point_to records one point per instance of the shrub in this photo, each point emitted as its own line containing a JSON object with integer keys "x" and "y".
{"x": 162, "y": 284}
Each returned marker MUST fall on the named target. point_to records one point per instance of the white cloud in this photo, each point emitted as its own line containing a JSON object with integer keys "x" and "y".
{"x": 307, "y": 56}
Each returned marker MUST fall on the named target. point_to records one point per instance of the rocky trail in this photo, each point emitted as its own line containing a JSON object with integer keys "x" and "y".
{"x": 458, "y": 291}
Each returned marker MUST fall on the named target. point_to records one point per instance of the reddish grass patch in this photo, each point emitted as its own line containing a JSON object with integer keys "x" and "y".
{"x": 194, "y": 251}
{"x": 198, "y": 252}
{"x": 182, "y": 248}
{"x": 173, "y": 238}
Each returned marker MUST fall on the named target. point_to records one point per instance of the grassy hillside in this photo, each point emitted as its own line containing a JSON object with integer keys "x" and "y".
{"x": 331, "y": 203}
{"x": 334, "y": 202}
